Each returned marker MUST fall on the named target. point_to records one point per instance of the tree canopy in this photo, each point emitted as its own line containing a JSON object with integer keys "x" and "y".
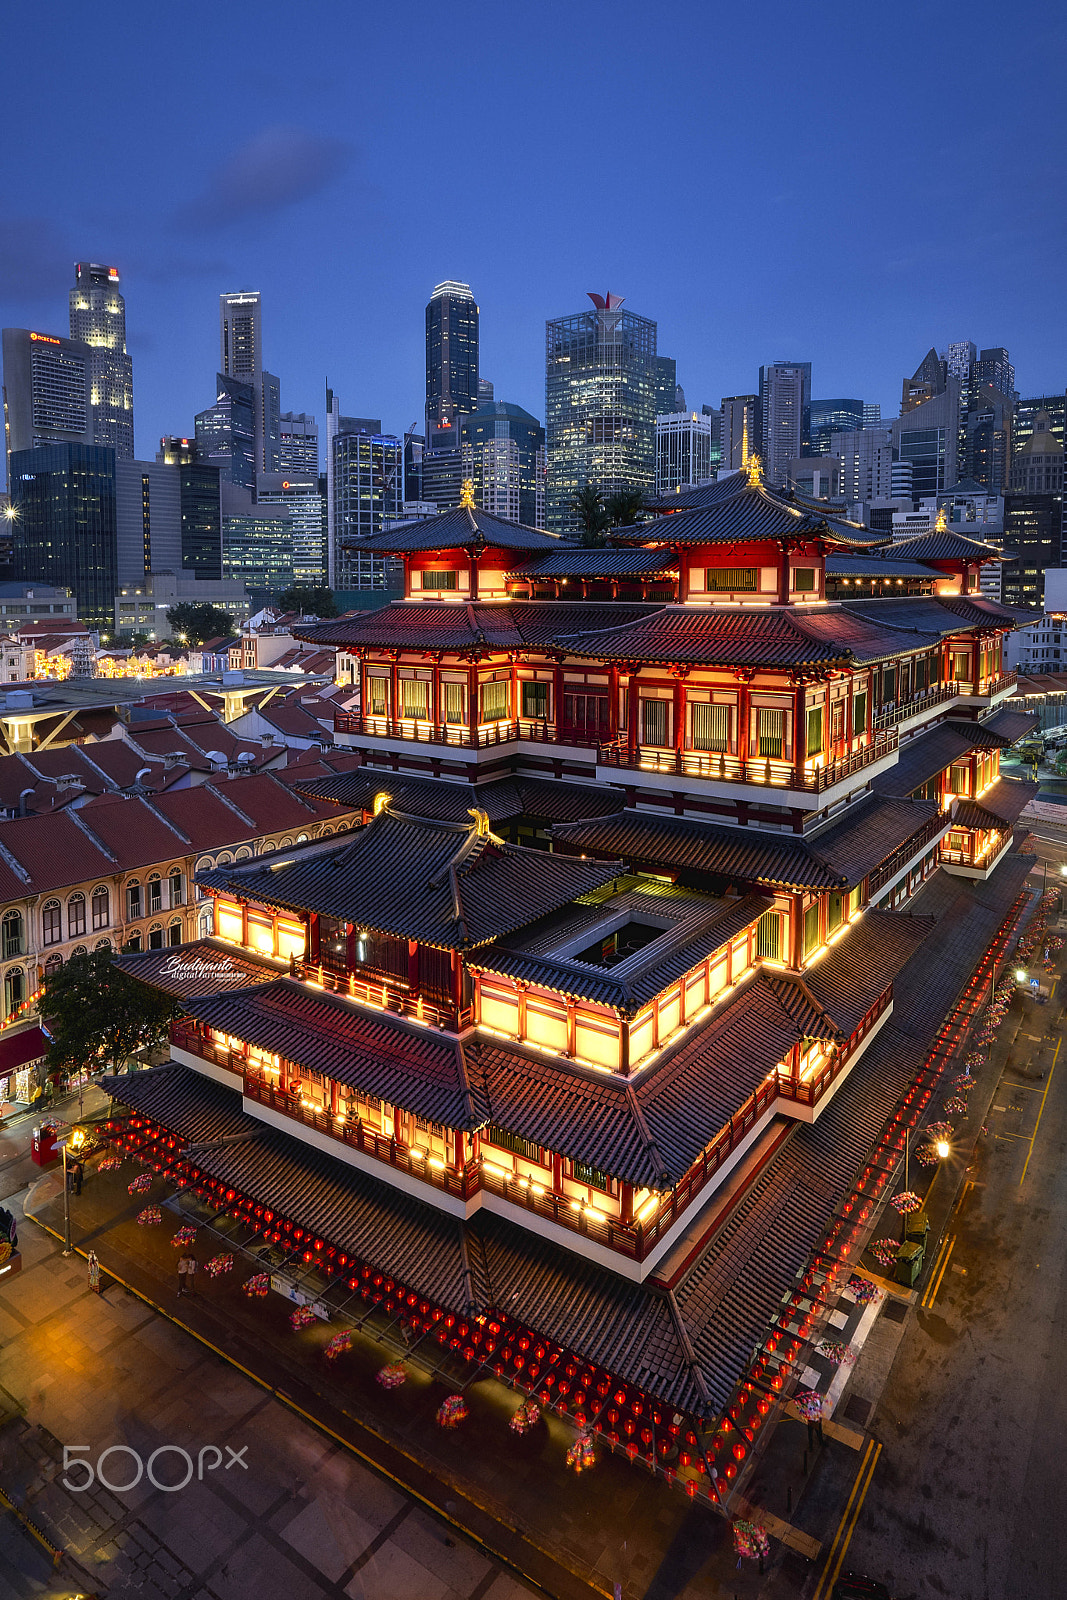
{"x": 591, "y": 513}
{"x": 625, "y": 507}
{"x": 97, "y": 1014}
{"x": 311, "y": 602}
{"x": 194, "y": 622}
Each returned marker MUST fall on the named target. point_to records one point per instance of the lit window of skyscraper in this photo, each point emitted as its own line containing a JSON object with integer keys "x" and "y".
{"x": 98, "y": 319}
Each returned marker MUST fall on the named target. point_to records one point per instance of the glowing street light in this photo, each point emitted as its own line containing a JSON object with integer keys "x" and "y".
{"x": 942, "y": 1147}
{"x": 1020, "y": 975}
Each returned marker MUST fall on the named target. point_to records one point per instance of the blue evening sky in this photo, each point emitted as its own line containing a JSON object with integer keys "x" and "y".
{"x": 840, "y": 182}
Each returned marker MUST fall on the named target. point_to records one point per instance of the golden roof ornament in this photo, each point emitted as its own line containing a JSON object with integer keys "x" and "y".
{"x": 466, "y": 495}
{"x": 941, "y": 525}
{"x": 754, "y": 468}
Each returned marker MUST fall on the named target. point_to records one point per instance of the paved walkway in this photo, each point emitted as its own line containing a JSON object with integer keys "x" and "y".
{"x": 303, "y": 1518}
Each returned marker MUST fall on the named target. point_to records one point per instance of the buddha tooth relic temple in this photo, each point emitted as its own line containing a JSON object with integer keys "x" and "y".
{"x": 588, "y": 1054}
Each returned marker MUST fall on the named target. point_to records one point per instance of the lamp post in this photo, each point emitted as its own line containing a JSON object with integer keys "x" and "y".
{"x": 75, "y": 1139}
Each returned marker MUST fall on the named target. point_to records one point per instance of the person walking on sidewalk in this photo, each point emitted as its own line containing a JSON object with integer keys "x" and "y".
{"x": 94, "y": 1272}
{"x": 186, "y": 1272}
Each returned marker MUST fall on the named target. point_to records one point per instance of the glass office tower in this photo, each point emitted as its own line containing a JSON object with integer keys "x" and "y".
{"x": 98, "y": 319}
{"x": 451, "y": 362}
{"x": 66, "y": 525}
{"x": 504, "y": 457}
{"x": 600, "y": 406}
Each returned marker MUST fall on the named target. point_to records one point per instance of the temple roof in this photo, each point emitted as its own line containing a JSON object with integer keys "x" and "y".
{"x": 939, "y": 615}
{"x": 855, "y": 971}
{"x": 1000, "y": 806}
{"x": 463, "y": 528}
{"x": 736, "y": 510}
{"x": 943, "y": 544}
{"x": 840, "y": 564}
{"x": 838, "y": 857}
{"x": 606, "y": 562}
{"x": 710, "y": 636}
{"x": 448, "y": 884}
{"x": 926, "y": 754}
{"x": 472, "y": 628}
{"x": 203, "y": 967}
{"x": 1012, "y": 724}
{"x": 502, "y": 799}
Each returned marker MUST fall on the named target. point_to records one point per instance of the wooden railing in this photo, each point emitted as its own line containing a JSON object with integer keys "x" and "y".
{"x": 891, "y": 716}
{"x": 389, "y": 993}
{"x": 538, "y": 730}
{"x": 892, "y": 864}
{"x": 766, "y": 771}
{"x": 992, "y": 686}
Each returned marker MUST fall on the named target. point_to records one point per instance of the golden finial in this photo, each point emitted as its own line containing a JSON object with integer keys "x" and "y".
{"x": 942, "y": 519}
{"x": 381, "y": 800}
{"x": 754, "y": 468}
{"x": 466, "y": 498}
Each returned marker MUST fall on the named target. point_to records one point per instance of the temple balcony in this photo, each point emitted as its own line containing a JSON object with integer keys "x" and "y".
{"x": 787, "y": 782}
{"x": 905, "y": 712}
{"x": 987, "y": 691}
{"x": 396, "y": 735}
{"x": 966, "y": 854}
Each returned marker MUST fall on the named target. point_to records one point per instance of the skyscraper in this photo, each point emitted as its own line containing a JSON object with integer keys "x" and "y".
{"x": 866, "y": 456}
{"x": 225, "y": 432}
{"x": 148, "y": 519}
{"x": 927, "y": 381}
{"x": 364, "y": 485}
{"x": 740, "y": 429}
{"x": 670, "y": 397}
{"x": 65, "y": 524}
{"x": 683, "y": 450}
{"x": 927, "y": 434}
{"x": 241, "y": 357}
{"x": 503, "y": 454}
{"x": 98, "y": 319}
{"x": 298, "y": 444}
{"x": 47, "y": 387}
{"x": 198, "y": 484}
{"x": 451, "y": 363}
{"x": 299, "y": 494}
{"x": 833, "y": 416}
{"x": 872, "y": 414}
{"x": 785, "y": 409}
{"x": 600, "y": 405}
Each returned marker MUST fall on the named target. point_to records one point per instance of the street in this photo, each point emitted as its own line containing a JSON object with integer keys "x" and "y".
{"x": 964, "y": 1497}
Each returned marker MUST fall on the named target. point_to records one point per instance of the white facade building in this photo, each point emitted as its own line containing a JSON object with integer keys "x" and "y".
{"x": 683, "y": 450}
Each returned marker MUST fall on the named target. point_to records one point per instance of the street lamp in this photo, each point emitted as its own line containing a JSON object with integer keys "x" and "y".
{"x": 75, "y": 1140}
{"x": 942, "y": 1148}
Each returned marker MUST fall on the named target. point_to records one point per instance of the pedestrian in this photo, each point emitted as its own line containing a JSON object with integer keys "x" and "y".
{"x": 94, "y": 1272}
{"x": 79, "y": 1174}
{"x": 186, "y": 1272}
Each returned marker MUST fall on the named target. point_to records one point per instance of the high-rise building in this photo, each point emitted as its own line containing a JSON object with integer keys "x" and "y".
{"x": 148, "y": 519}
{"x": 98, "y": 319}
{"x": 785, "y": 412}
{"x": 1037, "y": 467}
{"x": 958, "y": 359}
{"x": 451, "y": 363}
{"x": 740, "y": 430}
{"x": 872, "y": 414}
{"x": 866, "y": 456}
{"x": 1033, "y": 540}
{"x": 63, "y": 496}
{"x": 668, "y": 390}
{"x": 928, "y": 381}
{"x": 927, "y": 435}
{"x": 600, "y": 406}
{"x": 201, "y": 506}
{"x": 833, "y": 416}
{"x": 503, "y": 454}
{"x": 994, "y": 368}
{"x": 414, "y": 445}
{"x": 486, "y": 393}
{"x": 683, "y": 451}
{"x": 1052, "y": 407}
{"x": 298, "y": 444}
{"x": 241, "y": 357}
{"x": 985, "y": 437}
{"x": 257, "y": 544}
{"x": 47, "y": 387}
{"x": 225, "y": 432}
{"x": 347, "y": 520}
{"x": 299, "y": 494}
{"x": 715, "y": 416}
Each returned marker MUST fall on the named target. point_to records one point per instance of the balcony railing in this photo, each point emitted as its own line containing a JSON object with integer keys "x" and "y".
{"x": 383, "y": 994}
{"x": 992, "y": 686}
{"x": 892, "y": 716}
{"x": 484, "y": 736}
{"x": 767, "y": 771}
{"x": 892, "y": 864}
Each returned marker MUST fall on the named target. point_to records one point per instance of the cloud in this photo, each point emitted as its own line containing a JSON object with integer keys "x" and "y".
{"x": 36, "y": 261}
{"x": 278, "y": 168}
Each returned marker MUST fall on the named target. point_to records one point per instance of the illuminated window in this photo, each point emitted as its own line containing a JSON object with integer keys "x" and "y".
{"x": 711, "y": 727}
{"x": 814, "y": 734}
{"x": 769, "y": 936}
{"x": 535, "y": 700}
{"x": 731, "y": 580}
{"x": 811, "y": 928}
{"x": 804, "y": 580}
{"x": 439, "y": 580}
{"x": 770, "y": 733}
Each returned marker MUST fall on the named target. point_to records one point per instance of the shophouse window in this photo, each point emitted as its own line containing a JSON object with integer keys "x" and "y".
{"x": 174, "y": 933}
{"x": 76, "y": 915}
{"x": 12, "y": 934}
{"x": 14, "y": 990}
{"x": 177, "y": 889}
{"x": 51, "y": 923}
{"x": 155, "y": 895}
{"x": 133, "y": 901}
{"x": 101, "y": 908}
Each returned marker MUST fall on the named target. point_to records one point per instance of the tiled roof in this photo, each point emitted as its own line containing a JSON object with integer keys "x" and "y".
{"x": 441, "y": 883}
{"x": 132, "y": 831}
{"x": 1000, "y": 806}
{"x": 203, "y": 967}
{"x": 858, "y": 969}
{"x": 598, "y": 563}
{"x": 712, "y": 636}
{"x": 738, "y": 511}
{"x": 926, "y": 754}
{"x": 702, "y": 925}
{"x": 868, "y": 637}
{"x": 460, "y": 529}
{"x": 868, "y": 833}
{"x": 1012, "y": 724}
{"x": 503, "y": 799}
{"x": 478, "y": 627}
{"x": 940, "y": 615}
{"x": 737, "y": 854}
{"x": 942, "y": 544}
{"x": 841, "y": 565}
{"x": 381, "y": 1055}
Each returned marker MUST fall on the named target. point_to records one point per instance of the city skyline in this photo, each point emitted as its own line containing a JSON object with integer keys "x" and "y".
{"x": 301, "y": 207}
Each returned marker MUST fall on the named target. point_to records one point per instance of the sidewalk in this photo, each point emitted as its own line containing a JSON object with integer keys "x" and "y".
{"x": 570, "y": 1536}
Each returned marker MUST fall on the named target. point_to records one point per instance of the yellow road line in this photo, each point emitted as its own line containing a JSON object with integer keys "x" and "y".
{"x": 1040, "y": 1112}
{"x": 942, "y": 1247}
{"x": 849, "y": 1516}
{"x": 964, "y": 1192}
{"x": 932, "y": 1290}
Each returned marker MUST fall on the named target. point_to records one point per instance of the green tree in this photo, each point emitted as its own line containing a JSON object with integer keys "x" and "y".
{"x": 588, "y": 506}
{"x": 311, "y": 602}
{"x": 97, "y": 1014}
{"x": 194, "y": 622}
{"x": 625, "y": 507}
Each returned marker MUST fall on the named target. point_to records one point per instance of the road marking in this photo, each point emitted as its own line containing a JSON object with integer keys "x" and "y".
{"x": 967, "y": 1187}
{"x": 849, "y": 1517}
{"x": 941, "y": 1249}
{"x": 1040, "y": 1112}
{"x": 932, "y": 1292}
